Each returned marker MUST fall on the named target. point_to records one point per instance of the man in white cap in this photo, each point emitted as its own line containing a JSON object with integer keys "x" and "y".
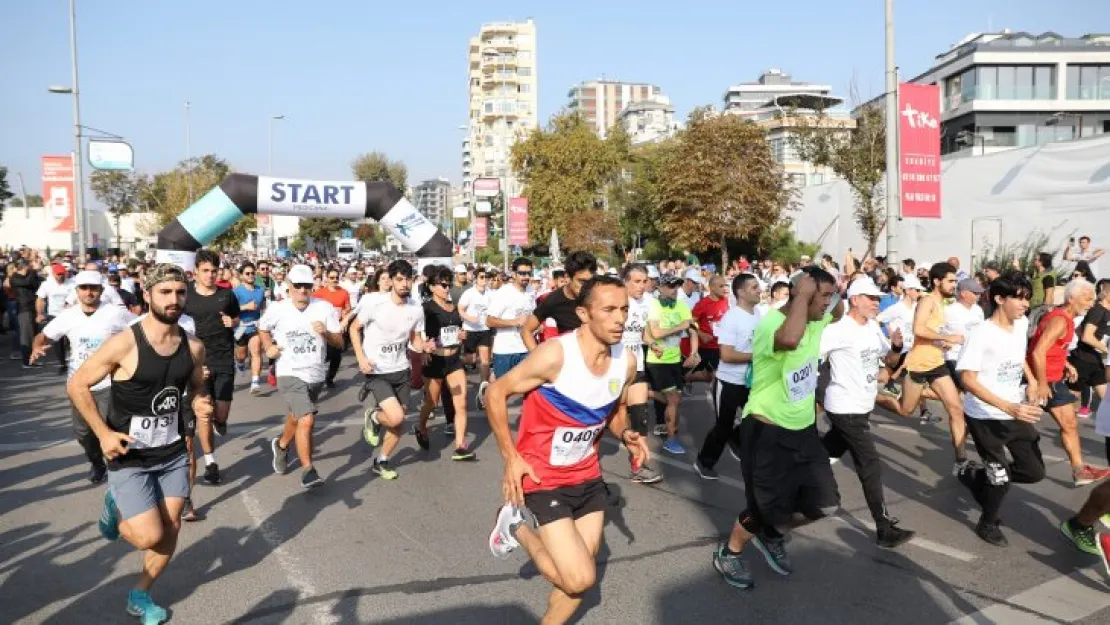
{"x": 462, "y": 282}
{"x": 856, "y": 351}
{"x": 690, "y": 292}
{"x": 86, "y": 325}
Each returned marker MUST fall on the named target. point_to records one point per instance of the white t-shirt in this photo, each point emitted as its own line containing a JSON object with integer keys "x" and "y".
{"x": 108, "y": 296}
{"x": 475, "y": 303}
{"x": 634, "y": 326}
{"x": 959, "y": 319}
{"x": 999, "y": 358}
{"x": 386, "y": 329}
{"x": 55, "y": 294}
{"x": 354, "y": 289}
{"x": 303, "y": 351}
{"x": 691, "y": 299}
{"x": 509, "y": 303}
{"x": 900, "y": 317}
{"x": 736, "y": 329}
{"x": 86, "y": 333}
{"x": 185, "y": 321}
{"x": 281, "y": 291}
{"x": 855, "y": 353}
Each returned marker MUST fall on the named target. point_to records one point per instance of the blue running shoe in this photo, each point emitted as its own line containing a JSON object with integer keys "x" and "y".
{"x": 109, "y": 517}
{"x": 672, "y": 446}
{"x": 774, "y": 551}
{"x": 731, "y": 567}
{"x": 141, "y": 605}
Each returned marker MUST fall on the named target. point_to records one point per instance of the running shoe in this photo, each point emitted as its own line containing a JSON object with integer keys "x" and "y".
{"x": 646, "y": 475}
{"x": 731, "y": 567}
{"x": 501, "y": 539}
{"x": 281, "y": 457}
{"x": 1102, "y": 542}
{"x": 271, "y": 377}
{"x": 109, "y": 518}
{"x": 1084, "y": 538}
{"x": 256, "y": 389}
{"x": 240, "y": 366}
{"x": 371, "y": 429}
{"x": 421, "y": 438}
{"x": 661, "y": 429}
{"x": 212, "y": 474}
{"x": 889, "y": 536}
{"x": 462, "y": 454}
{"x": 706, "y": 473}
{"x": 311, "y": 479}
{"x": 928, "y": 418}
{"x": 774, "y": 551}
{"x": 673, "y": 446}
{"x": 1084, "y": 413}
{"x": 98, "y": 473}
{"x": 384, "y": 469}
{"x": 991, "y": 533}
{"x": 364, "y": 392}
{"x": 480, "y": 398}
{"x": 141, "y": 605}
{"x": 219, "y": 427}
{"x": 188, "y": 512}
{"x": 891, "y": 390}
{"x": 449, "y": 429}
{"x": 1089, "y": 475}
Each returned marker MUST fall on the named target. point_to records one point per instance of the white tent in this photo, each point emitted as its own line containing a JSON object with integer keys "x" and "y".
{"x": 1061, "y": 189}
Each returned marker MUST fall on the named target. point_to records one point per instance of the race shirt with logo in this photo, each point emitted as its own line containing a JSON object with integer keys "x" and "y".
{"x": 784, "y": 383}
{"x": 476, "y": 304}
{"x": 635, "y": 325}
{"x": 509, "y": 302}
{"x": 959, "y": 319}
{"x": 303, "y": 350}
{"x": 900, "y": 317}
{"x": 668, "y": 317}
{"x": 999, "y": 358}
{"x": 55, "y": 294}
{"x": 87, "y": 332}
{"x": 562, "y": 421}
{"x": 855, "y": 354}
{"x": 386, "y": 329}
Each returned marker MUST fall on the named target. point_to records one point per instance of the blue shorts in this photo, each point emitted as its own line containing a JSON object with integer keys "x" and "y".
{"x": 503, "y": 363}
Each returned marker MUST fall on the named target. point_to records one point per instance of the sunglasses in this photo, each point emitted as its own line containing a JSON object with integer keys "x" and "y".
{"x": 523, "y": 273}
{"x": 303, "y": 287}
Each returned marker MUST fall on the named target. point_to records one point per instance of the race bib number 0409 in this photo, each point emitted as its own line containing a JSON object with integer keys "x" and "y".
{"x": 569, "y": 446}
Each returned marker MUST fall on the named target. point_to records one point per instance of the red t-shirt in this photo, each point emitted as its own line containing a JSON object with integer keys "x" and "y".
{"x": 1058, "y": 352}
{"x": 339, "y": 298}
{"x": 707, "y": 314}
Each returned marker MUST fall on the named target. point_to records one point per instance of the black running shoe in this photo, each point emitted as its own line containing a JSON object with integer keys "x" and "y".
{"x": 891, "y": 536}
{"x": 462, "y": 454}
{"x": 219, "y": 427}
{"x": 311, "y": 479}
{"x": 212, "y": 474}
{"x": 421, "y": 438}
{"x": 98, "y": 473}
{"x": 991, "y": 533}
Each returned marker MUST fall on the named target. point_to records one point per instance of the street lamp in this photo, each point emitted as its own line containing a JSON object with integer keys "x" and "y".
{"x": 270, "y": 171}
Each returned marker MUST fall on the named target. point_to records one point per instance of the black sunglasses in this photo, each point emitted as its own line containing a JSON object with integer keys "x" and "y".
{"x": 303, "y": 287}
{"x": 523, "y": 273}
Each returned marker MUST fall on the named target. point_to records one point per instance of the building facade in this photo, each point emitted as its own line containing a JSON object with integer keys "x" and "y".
{"x": 601, "y": 101}
{"x": 648, "y": 121}
{"x": 1005, "y": 90}
{"x": 502, "y": 101}
{"x": 433, "y": 199}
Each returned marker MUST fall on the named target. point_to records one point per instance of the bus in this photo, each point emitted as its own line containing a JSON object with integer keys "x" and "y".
{"x": 348, "y": 250}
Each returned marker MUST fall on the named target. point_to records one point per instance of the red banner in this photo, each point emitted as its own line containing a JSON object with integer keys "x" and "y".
{"x": 58, "y": 192}
{"x": 518, "y": 221}
{"x": 919, "y": 150}
{"x": 481, "y": 231}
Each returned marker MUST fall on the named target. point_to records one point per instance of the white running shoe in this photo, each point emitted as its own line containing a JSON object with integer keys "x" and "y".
{"x": 501, "y": 540}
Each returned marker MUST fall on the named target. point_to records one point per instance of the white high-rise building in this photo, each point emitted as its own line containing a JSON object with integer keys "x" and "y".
{"x": 601, "y": 101}
{"x": 502, "y": 101}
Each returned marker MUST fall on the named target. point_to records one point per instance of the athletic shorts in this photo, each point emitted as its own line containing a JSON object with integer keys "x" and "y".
{"x": 1091, "y": 374}
{"x": 299, "y": 396}
{"x": 439, "y": 367}
{"x": 665, "y": 377}
{"x": 242, "y": 341}
{"x": 930, "y": 376}
{"x": 138, "y": 489}
{"x": 785, "y": 472}
{"x": 1060, "y": 395}
{"x": 951, "y": 366}
{"x": 503, "y": 363}
{"x": 567, "y": 502}
{"x": 710, "y": 361}
{"x": 477, "y": 338}
{"x": 641, "y": 377}
{"x": 221, "y": 382}
{"x": 397, "y": 384}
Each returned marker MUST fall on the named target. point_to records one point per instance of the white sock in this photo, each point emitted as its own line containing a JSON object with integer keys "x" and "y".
{"x": 255, "y": 379}
{"x": 383, "y": 458}
{"x": 209, "y": 459}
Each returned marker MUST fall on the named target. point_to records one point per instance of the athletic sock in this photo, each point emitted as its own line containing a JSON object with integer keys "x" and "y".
{"x": 209, "y": 459}
{"x": 383, "y": 458}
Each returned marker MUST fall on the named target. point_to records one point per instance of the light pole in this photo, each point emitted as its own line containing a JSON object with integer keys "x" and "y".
{"x": 893, "y": 167}
{"x": 270, "y": 171}
{"x": 188, "y": 155}
{"x": 79, "y": 183}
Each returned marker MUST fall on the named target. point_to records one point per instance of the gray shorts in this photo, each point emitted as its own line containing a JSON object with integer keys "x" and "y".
{"x": 299, "y": 395}
{"x": 138, "y": 489}
{"x": 103, "y": 399}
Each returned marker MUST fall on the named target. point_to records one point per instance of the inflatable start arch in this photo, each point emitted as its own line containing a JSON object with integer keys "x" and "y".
{"x": 243, "y": 194}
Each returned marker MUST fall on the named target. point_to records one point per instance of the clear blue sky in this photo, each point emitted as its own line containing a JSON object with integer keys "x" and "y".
{"x": 354, "y": 76}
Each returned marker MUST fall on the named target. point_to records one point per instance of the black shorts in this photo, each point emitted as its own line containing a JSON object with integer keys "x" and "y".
{"x": 710, "y": 360}
{"x": 246, "y": 338}
{"x": 397, "y": 384}
{"x": 1091, "y": 374}
{"x": 994, "y": 437}
{"x": 567, "y": 502}
{"x": 930, "y": 376}
{"x": 1061, "y": 395}
{"x": 641, "y": 377}
{"x": 439, "y": 367}
{"x": 665, "y": 377}
{"x": 951, "y": 366}
{"x": 785, "y": 472}
{"x": 476, "y": 339}
{"x": 221, "y": 382}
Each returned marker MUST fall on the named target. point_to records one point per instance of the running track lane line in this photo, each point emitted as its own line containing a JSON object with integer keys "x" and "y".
{"x": 1067, "y": 598}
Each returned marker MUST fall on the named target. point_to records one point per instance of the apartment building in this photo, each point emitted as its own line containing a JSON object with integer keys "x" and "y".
{"x": 601, "y": 101}
{"x": 433, "y": 199}
{"x": 502, "y": 101}
{"x": 648, "y": 121}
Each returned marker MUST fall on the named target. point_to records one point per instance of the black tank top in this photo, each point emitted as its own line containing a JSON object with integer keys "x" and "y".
{"x": 148, "y": 406}
{"x": 442, "y": 325}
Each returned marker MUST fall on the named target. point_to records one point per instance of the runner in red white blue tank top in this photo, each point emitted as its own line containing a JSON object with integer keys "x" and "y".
{"x": 575, "y": 386}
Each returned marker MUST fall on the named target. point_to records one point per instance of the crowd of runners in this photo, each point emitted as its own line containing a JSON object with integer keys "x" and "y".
{"x": 153, "y": 354}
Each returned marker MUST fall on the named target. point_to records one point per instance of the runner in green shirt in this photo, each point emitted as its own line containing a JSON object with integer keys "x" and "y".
{"x": 668, "y": 320}
{"x": 786, "y": 468}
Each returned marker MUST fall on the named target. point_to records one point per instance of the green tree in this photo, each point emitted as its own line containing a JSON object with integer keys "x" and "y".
{"x": 321, "y": 231}
{"x": 166, "y": 195}
{"x": 780, "y": 244}
{"x": 565, "y": 169}
{"x": 118, "y": 191}
{"x": 634, "y": 196}
{"x": 377, "y": 166}
{"x": 858, "y": 155}
{"x": 5, "y": 192}
{"x": 722, "y": 183}
{"x": 34, "y": 199}
{"x": 372, "y": 237}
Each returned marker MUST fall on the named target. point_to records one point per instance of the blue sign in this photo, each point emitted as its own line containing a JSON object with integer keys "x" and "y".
{"x": 347, "y": 233}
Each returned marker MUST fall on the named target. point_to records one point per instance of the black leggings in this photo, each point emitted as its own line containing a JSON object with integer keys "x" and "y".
{"x": 730, "y": 400}
{"x": 852, "y": 433}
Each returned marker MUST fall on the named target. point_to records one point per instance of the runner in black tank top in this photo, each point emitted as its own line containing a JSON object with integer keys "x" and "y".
{"x": 143, "y": 438}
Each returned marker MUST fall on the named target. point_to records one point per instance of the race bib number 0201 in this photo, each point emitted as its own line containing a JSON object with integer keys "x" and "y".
{"x": 801, "y": 383}
{"x": 569, "y": 446}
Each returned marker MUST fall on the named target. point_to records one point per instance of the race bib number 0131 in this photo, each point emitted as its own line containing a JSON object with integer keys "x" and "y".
{"x": 569, "y": 446}
{"x": 151, "y": 431}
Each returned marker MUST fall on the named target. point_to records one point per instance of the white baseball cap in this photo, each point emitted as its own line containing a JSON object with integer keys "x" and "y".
{"x": 300, "y": 274}
{"x": 694, "y": 276}
{"x": 653, "y": 272}
{"x": 89, "y": 278}
{"x": 460, "y": 268}
{"x": 864, "y": 286}
{"x": 911, "y": 282}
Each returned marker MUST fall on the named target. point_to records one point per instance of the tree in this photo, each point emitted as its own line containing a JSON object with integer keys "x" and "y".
{"x": 634, "y": 196}
{"x": 722, "y": 183}
{"x": 857, "y": 155}
{"x": 118, "y": 191}
{"x": 5, "y": 193}
{"x": 377, "y": 166}
{"x": 166, "y": 195}
{"x": 321, "y": 230}
{"x": 565, "y": 168}
{"x": 371, "y": 237}
{"x": 33, "y": 199}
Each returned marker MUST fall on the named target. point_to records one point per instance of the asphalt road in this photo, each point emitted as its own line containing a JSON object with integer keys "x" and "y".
{"x": 413, "y": 551}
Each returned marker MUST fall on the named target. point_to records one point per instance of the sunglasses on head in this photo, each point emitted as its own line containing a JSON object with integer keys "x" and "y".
{"x": 303, "y": 287}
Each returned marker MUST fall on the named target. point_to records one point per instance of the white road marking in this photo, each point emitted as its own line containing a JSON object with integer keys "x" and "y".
{"x": 916, "y": 541}
{"x": 288, "y": 562}
{"x": 898, "y": 428}
{"x": 1067, "y": 598}
{"x": 32, "y": 446}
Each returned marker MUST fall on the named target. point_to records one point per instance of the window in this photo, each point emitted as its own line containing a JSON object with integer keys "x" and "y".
{"x": 967, "y": 91}
{"x": 524, "y": 55}
{"x": 1016, "y": 82}
{"x": 1044, "y": 83}
{"x": 1088, "y": 82}
{"x": 524, "y": 88}
{"x": 798, "y": 180}
{"x": 1023, "y": 85}
{"x": 524, "y": 71}
{"x": 988, "y": 83}
{"x": 1006, "y": 82}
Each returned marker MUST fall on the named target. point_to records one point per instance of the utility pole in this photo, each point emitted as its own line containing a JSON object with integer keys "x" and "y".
{"x": 893, "y": 181}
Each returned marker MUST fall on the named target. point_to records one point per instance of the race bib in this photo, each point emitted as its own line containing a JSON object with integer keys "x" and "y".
{"x": 449, "y": 336}
{"x": 82, "y": 349}
{"x": 569, "y": 446}
{"x": 390, "y": 351}
{"x": 801, "y": 382}
{"x": 303, "y": 349}
{"x": 151, "y": 432}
